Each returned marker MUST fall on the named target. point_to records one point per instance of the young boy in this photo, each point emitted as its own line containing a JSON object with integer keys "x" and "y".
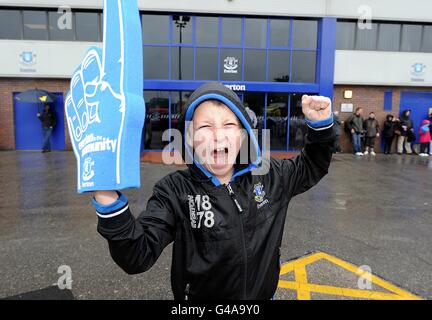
{"x": 372, "y": 130}
{"x": 226, "y": 222}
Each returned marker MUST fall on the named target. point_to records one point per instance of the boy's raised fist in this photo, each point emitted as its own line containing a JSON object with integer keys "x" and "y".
{"x": 316, "y": 108}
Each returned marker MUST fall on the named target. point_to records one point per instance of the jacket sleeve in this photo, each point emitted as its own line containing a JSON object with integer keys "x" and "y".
{"x": 350, "y": 124}
{"x": 301, "y": 173}
{"x": 136, "y": 244}
{"x": 54, "y": 120}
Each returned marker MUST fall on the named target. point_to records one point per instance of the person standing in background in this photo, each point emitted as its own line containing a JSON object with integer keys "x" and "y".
{"x": 388, "y": 133}
{"x": 425, "y": 138}
{"x": 355, "y": 125}
{"x": 338, "y": 131}
{"x": 430, "y": 131}
{"x": 372, "y": 130}
{"x": 406, "y": 125}
{"x": 49, "y": 121}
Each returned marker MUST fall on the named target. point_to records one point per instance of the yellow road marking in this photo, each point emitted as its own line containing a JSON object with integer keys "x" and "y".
{"x": 301, "y": 277}
{"x": 338, "y": 291}
{"x": 304, "y": 289}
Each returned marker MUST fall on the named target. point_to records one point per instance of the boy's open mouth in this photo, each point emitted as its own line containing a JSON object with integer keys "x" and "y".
{"x": 220, "y": 156}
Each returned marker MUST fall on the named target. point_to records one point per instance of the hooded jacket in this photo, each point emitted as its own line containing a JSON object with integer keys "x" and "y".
{"x": 389, "y": 127}
{"x": 226, "y": 238}
{"x": 356, "y": 122}
{"x": 406, "y": 123}
{"x": 371, "y": 127}
{"x": 48, "y": 119}
{"x": 425, "y": 136}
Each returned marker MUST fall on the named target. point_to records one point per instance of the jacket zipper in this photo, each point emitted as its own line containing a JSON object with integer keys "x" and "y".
{"x": 240, "y": 210}
{"x": 187, "y": 289}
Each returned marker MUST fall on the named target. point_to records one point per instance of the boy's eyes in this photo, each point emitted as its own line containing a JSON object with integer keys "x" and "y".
{"x": 204, "y": 126}
{"x": 230, "y": 124}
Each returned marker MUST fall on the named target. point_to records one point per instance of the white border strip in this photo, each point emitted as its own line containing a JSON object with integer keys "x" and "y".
{"x": 112, "y": 214}
{"x": 319, "y": 129}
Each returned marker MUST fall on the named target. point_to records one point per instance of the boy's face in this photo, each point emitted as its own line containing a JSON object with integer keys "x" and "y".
{"x": 217, "y": 136}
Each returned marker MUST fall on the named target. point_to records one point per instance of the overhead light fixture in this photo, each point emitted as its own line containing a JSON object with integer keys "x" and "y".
{"x": 348, "y": 94}
{"x": 179, "y": 18}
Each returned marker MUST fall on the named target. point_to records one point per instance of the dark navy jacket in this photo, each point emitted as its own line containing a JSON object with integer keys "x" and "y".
{"x": 226, "y": 238}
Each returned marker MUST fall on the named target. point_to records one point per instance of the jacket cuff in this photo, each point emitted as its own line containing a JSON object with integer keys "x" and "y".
{"x": 320, "y": 125}
{"x": 325, "y": 135}
{"x": 111, "y": 210}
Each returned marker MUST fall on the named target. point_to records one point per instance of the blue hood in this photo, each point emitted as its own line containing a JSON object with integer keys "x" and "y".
{"x": 217, "y": 91}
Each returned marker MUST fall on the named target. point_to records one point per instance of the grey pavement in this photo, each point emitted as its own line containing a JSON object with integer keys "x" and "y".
{"x": 367, "y": 211}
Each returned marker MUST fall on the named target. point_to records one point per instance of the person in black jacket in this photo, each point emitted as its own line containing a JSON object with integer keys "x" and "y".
{"x": 388, "y": 133}
{"x": 225, "y": 216}
{"x": 338, "y": 132}
{"x": 48, "y": 120}
{"x": 406, "y": 130}
{"x": 371, "y": 127}
{"x": 430, "y": 130}
{"x": 355, "y": 125}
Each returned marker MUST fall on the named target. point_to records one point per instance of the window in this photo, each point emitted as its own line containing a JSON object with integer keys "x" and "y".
{"x": 35, "y": 25}
{"x": 277, "y": 116}
{"x": 186, "y": 70}
{"x": 10, "y": 24}
{"x": 88, "y": 26}
{"x": 384, "y": 36}
{"x": 157, "y": 119}
{"x": 231, "y": 64}
{"x": 58, "y": 31}
{"x": 279, "y": 66}
{"x": 366, "y": 38}
{"x": 256, "y": 102}
{"x": 305, "y": 33}
{"x": 298, "y": 128}
{"x": 303, "y": 66}
{"x": 256, "y": 33}
{"x": 411, "y": 37}
{"x": 179, "y": 100}
{"x": 207, "y": 31}
{"x": 255, "y": 65}
{"x": 155, "y": 29}
{"x": 427, "y": 39}
{"x": 280, "y": 31}
{"x": 389, "y": 37}
{"x": 155, "y": 62}
{"x": 345, "y": 35}
{"x": 206, "y": 64}
{"x": 231, "y": 31}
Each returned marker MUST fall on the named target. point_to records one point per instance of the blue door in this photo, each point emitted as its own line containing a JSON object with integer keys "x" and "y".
{"x": 419, "y": 103}
{"x": 28, "y": 128}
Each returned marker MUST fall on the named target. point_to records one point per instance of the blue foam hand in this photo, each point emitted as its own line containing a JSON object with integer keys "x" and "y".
{"x": 105, "y": 105}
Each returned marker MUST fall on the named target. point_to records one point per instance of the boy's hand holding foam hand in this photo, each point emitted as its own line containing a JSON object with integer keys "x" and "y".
{"x": 105, "y": 108}
{"x": 318, "y": 112}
